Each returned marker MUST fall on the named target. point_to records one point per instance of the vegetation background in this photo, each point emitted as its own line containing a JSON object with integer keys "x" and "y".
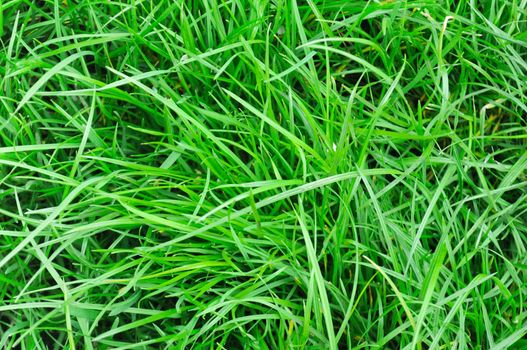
{"x": 263, "y": 174}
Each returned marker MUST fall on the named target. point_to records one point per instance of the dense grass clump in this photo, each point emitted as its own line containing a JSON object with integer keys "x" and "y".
{"x": 263, "y": 174}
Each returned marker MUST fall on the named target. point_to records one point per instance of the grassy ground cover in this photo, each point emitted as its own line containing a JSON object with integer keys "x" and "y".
{"x": 263, "y": 174}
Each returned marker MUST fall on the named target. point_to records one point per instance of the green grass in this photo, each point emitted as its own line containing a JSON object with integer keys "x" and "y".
{"x": 263, "y": 174}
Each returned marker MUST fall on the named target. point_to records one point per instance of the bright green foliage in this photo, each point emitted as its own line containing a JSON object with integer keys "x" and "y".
{"x": 263, "y": 174}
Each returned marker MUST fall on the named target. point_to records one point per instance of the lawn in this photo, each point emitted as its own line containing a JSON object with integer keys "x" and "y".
{"x": 263, "y": 174}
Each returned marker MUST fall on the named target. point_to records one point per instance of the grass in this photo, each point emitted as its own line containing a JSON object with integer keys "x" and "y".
{"x": 276, "y": 174}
